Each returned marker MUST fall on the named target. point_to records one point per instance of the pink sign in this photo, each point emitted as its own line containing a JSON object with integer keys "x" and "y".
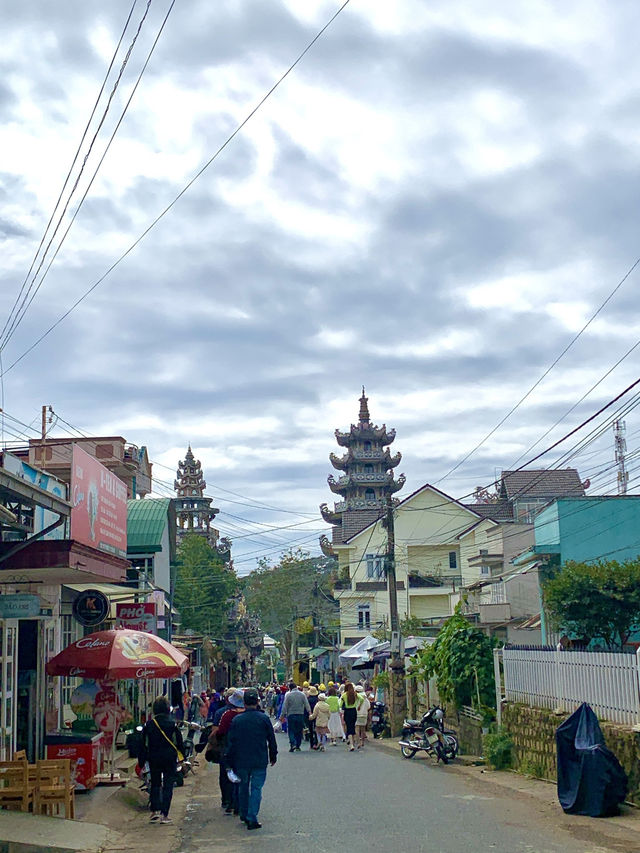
{"x": 99, "y": 505}
{"x": 137, "y": 617}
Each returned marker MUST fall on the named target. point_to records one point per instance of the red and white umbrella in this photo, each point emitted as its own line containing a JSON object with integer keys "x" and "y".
{"x": 119, "y": 653}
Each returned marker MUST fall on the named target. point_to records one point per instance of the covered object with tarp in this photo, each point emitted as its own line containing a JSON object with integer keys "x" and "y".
{"x": 590, "y": 778}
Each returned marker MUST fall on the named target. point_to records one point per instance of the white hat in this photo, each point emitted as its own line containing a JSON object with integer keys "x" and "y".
{"x": 359, "y": 688}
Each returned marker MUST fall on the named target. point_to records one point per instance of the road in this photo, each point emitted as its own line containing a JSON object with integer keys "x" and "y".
{"x": 373, "y": 800}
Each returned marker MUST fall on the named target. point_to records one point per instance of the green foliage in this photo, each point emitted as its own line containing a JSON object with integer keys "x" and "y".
{"x": 381, "y": 680}
{"x": 203, "y": 587}
{"x": 595, "y": 600}
{"x": 291, "y": 590}
{"x": 530, "y": 767}
{"x": 411, "y": 626}
{"x": 461, "y": 659}
{"x": 498, "y": 749}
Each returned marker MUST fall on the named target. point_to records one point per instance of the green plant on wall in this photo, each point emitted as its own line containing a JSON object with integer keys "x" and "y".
{"x": 461, "y": 660}
{"x": 498, "y": 750}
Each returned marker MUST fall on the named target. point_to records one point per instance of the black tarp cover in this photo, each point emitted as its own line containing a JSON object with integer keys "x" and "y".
{"x": 590, "y": 778}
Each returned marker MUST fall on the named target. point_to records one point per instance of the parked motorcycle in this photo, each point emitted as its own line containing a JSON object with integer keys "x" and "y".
{"x": 429, "y": 735}
{"x": 188, "y": 763}
{"x": 378, "y": 719}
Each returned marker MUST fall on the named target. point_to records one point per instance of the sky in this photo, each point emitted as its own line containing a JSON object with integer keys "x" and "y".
{"x": 432, "y": 204}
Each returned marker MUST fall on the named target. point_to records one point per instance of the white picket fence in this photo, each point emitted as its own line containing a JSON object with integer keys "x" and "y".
{"x": 609, "y": 682}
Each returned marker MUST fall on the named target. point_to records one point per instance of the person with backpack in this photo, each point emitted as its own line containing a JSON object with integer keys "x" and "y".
{"x": 162, "y": 747}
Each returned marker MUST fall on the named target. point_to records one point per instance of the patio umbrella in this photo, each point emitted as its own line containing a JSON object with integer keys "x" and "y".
{"x": 117, "y": 654}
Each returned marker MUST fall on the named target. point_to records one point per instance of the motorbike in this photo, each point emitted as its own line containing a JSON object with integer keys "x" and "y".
{"x": 378, "y": 719}
{"x": 429, "y": 735}
{"x": 188, "y": 763}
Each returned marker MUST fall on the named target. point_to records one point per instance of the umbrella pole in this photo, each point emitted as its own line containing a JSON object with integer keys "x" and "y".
{"x": 113, "y": 745}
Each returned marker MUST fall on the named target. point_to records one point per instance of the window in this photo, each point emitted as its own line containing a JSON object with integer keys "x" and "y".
{"x": 368, "y": 469}
{"x": 484, "y": 570}
{"x": 364, "y": 617}
{"x": 375, "y": 567}
{"x": 453, "y": 560}
{"x": 367, "y": 445}
{"x": 71, "y": 631}
{"x": 369, "y": 495}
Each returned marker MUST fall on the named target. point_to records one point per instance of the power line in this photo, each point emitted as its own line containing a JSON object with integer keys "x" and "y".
{"x": 546, "y": 372}
{"x": 182, "y": 192}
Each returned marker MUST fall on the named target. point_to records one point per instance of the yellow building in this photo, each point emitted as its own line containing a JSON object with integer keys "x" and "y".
{"x": 436, "y": 537}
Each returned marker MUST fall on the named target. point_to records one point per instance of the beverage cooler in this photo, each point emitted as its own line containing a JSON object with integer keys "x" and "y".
{"x": 84, "y": 749}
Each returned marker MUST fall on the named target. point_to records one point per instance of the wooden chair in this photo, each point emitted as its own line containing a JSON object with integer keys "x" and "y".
{"x": 55, "y": 788}
{"x": 21, "y": 755}
{"x": 15, "y": 791}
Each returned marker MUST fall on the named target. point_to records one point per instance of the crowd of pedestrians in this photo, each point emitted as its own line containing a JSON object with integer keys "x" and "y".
{"x": 240, "y": 736}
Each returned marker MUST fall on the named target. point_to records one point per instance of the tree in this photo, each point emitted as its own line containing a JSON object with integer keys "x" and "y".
{"x": 203, "y": 587}
{"x": 461, "y": 659}
{"x": 286, "y": 595}
{"x": 595, "y": 600}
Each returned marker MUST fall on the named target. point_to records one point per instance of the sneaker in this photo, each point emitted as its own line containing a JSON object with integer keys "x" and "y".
{"x": 292, "y": 749}
{"x": 228, "y": 810}
{"x": 165, "y": 820}
{"x": 155, "y": 817}
{"x": 254, "y": 825}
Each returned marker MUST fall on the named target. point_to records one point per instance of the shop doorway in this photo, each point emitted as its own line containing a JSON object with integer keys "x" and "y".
{"x": 8, "y": 687}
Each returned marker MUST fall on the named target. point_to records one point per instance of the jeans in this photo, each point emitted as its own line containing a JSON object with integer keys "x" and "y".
{"x": 162, "y": 779}
{"x": 250, "y": 792}
{"x": 296, "y": 727}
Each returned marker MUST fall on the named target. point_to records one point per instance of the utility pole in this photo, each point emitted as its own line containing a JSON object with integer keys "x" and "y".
{"x": 619, "y": 429}
{"x": 397, "y": 685}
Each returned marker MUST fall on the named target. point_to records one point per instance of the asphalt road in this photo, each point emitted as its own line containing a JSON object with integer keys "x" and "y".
{"x": 373, "y": 800}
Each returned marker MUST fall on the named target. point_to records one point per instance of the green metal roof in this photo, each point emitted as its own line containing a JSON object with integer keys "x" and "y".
{"x": 146, "y": 521}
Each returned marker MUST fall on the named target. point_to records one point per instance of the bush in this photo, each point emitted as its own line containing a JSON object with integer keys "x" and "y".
{"x": 498, "y": 750}
{"x": 381, "y": 680}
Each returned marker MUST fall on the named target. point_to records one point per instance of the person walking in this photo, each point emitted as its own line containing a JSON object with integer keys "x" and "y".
{"x": 161, "y": 745}
{"x": 350, "y": 702}
{"x": 336, "y": 732}
{"x": 320, "y": 717}
{"x": 251, "y": 745}
{"x": 362, "y": 717}
{"x": 293, "y": 709}
{"x": 219, "y": 732}
{"x": 312, "y": 698}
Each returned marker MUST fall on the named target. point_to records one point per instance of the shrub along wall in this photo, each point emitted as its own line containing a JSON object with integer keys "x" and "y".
{"x": 534, "y": 746}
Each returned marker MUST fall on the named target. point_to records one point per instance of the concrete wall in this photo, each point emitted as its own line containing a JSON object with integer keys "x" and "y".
{"x": 533, "y": 733}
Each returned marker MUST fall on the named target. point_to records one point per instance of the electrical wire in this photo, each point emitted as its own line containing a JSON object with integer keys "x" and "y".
{"x": 182, "y": 192}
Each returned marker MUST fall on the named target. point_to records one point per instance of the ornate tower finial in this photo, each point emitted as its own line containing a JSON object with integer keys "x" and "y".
{"x": 364, "y": 408}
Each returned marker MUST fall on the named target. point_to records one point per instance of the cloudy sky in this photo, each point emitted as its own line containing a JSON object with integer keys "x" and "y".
{"x": 432, "y": 204}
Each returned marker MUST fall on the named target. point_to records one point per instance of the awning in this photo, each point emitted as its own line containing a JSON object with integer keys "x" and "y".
{"x": 359, "y": 650}
{"x": 115, "y": 594}
{"x": 312, "y": 654}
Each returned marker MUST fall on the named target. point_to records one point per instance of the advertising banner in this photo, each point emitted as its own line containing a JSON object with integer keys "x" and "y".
{"x": 137, "y": 617}
{"x": 41, "y": 517}
{"x": 99, "y": 505}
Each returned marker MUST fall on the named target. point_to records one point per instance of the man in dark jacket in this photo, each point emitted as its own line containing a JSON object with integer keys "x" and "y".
{"x": 161, "y": 742}
{"x": 251, "y": 745}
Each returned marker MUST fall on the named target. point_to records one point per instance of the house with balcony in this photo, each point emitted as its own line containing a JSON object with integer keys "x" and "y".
{"x": 434, "y": 537}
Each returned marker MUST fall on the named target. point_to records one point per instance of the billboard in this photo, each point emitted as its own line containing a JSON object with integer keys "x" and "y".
{"x": 99, "y": 505}
{"x": 137, "y": 617}
{"x": 41, "y": 517}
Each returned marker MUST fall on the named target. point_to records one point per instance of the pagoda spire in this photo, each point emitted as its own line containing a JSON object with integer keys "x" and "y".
{"x": 363, "y": 416}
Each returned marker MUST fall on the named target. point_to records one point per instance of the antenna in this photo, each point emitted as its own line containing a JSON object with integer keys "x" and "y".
{"x": 620, "y": 443}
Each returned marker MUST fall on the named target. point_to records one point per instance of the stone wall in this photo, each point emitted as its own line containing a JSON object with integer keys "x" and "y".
{"x": 469, "y": 735}
{"x": 533, "y": 733}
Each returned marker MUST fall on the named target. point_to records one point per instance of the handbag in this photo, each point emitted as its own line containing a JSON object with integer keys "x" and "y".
{"x": 168, "y": 739}
{"x": 214, "y": 750}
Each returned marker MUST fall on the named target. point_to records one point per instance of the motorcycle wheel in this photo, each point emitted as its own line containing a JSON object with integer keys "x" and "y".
{"x": 407, "y": 751}
{"x": 440, "y": 753}
{"x": 452, "y": 745}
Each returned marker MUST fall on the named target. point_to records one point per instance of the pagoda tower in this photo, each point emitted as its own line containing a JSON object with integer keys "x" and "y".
{"x": 368, "y": 478}
{"x": 194, "y": 512}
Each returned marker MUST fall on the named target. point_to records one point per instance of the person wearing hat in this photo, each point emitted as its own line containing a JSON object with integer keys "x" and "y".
{"x": 312, "y": 699}
{"x": 320, "y": 718}
{"x": 251, "y": 745}
{"x": 228, "y": 790}
{"x": 362, "y": 717}
{"x": 294, "y": 709}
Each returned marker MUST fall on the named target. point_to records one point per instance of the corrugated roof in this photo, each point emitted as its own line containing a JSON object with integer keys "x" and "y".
{"x": 146, "y": 521}
{"x": 564, "y": 482}
{"x": 496, "y": 511}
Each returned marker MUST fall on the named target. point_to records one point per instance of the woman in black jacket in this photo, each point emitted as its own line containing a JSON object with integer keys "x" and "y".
{"x": 161, "y": 743}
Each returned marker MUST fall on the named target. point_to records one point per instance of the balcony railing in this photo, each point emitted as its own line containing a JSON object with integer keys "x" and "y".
{"x": 426, "y": 581}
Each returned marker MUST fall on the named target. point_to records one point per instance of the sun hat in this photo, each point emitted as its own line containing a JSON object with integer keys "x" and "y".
{"x": 237, "y": 699}
{"x": 321, "y": 687}
{"x": 359, "y": 688}
{"x": 305, "y": 683}
{"x": 313, "y": 691}
{"x": 322, "y": 697}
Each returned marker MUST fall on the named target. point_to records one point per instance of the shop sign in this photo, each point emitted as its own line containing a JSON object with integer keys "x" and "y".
{"x": 98, "y": 505}
{"x": 137, "y": 617}
{"x": 91, "y": 608}
{"x": 19, "y": 606}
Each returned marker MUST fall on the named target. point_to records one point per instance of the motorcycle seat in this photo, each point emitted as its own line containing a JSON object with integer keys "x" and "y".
{"x": 413, "y": 722}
